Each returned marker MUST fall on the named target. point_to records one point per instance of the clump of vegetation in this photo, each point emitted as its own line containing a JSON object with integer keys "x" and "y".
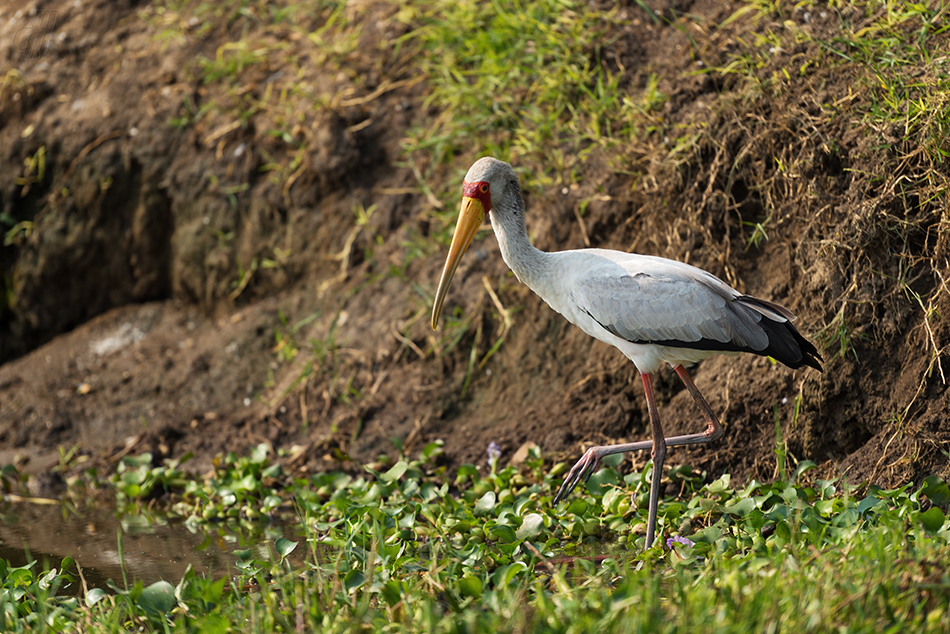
{"x": 523, "y": 81}
{"x": 413, "y": 548}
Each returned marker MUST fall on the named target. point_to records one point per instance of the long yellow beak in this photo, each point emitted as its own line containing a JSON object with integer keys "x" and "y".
{"x": 470, "y": 219}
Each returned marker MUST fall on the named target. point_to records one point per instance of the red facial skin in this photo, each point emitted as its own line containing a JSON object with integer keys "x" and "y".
{"x": 479, "y": 191}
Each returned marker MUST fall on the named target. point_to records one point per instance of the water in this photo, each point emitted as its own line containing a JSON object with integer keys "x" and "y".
{"x": 153, "y": 547}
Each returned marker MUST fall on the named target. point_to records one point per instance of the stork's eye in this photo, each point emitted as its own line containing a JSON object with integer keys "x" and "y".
{"x": 484, "y": 189}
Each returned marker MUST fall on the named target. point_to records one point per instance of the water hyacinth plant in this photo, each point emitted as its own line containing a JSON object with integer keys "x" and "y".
{"x": 678, "y": 539}
{"x": 417, "y": 548}
{"x": 494, "y": 453}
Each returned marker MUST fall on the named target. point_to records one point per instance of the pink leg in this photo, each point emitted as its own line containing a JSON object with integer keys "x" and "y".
{"x": 589, "y": 461}
{"x": 659, "y": 455}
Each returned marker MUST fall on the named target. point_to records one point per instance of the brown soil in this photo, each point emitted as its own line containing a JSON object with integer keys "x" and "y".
{"x": 137, "y": 321}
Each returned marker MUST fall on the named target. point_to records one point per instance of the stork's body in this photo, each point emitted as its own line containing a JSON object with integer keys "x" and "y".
{"x": 654, "y": 310}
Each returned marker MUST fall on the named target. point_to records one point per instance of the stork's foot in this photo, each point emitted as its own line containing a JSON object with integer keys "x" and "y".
{"x": 582, "y": 470}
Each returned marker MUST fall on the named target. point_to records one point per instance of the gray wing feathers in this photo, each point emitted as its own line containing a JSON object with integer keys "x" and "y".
{"x": 647, "y": 307}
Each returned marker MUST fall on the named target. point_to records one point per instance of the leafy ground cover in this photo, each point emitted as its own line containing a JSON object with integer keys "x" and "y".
{"x": 409, "y": 548}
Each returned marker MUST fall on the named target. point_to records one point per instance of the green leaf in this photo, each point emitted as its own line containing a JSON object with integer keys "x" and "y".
{"x": 395, "y": 472}
{"x": 578, "y": 506}
{"x": 392, "y": 592}
{"x": 95, "y": 595}
{"x": 158, "y": 598}
{"x": 848, "y": 517}
{"x": 783, "y": 531}
{"x": 21, "y": 576}
{"x": 825, "y": 507}
{"x": 259, "y": 453}
{"x": 932, "y": 519}
{"x": 936, "y": 490}
{"x": 213, "y": 623}
{"x": 742, "y": 507}
{"x": 284, "y": 547}
{"x": 243, "y": 555}
{"x": 247, "y": 483}
{"x": 353, "y": 580}
{"x": 470, "y": 586}
{"x": 143, "y": 460}
{"x": 532, "y": 525}
{"x": 505, "y": 534}
{"x": 485, "y": 503}
{"x": 867, "y": 503}
{"x": 721, "y": 485}
{"x": 503, "y": 577}
{"x": 602, "y": 480}
{"x": 520, "y": 504}
{"x": 465, "y": 472}
{"x": 803, "y": 467}
{"x": 46, "y": 580}
{"x": 432, "y": 450}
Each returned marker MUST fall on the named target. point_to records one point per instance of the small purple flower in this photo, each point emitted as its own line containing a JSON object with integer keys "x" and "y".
{"x": 494, "y": 453}
{"x": 677, "y": 539}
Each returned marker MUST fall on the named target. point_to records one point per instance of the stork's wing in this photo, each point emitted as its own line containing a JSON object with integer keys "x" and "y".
{"x": 650, "y": 300}
{"x": 673, "y": 304}
{"x": 677, "y": 308}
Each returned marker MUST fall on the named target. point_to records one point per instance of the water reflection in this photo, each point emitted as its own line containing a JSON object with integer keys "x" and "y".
{"x": 152, "y": 547}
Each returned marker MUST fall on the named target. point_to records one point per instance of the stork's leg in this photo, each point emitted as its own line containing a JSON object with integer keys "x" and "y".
{"x": 584, "y": 467}
{"x": 713, "y": 428}
{"x": 658, "y": 453}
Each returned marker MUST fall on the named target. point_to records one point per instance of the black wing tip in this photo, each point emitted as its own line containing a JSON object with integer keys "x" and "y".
{"x": 789, "y": 347}
{"x": 810, "y": 357}
{"x": 786, "y": 344}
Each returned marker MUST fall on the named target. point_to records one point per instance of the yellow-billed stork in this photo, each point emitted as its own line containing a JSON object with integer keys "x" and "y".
{"x": 652, "y": 309}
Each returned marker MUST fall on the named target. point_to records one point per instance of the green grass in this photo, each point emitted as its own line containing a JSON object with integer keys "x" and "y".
{"x": 524, "y": 82}
{"x": 508, "y": 78}
{"x": 409, "y": 547}
{"x": 894, "y": 53}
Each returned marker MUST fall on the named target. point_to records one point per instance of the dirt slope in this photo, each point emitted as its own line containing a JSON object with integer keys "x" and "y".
{"x": 189, "y": 284}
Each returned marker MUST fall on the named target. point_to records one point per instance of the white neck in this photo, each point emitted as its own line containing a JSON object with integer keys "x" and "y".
{"x": 527, "y": 262}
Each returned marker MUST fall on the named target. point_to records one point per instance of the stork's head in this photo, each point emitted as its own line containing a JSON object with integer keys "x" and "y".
{"x": 489, "y": 184}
